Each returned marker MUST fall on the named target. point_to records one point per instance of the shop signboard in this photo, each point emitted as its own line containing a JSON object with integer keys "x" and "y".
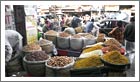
{"x": 31, "y": 24}
{"x": 31, "y": 29}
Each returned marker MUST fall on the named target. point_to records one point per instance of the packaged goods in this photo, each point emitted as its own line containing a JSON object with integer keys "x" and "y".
{"x": 64, "y": 34}
{"x": 31, "y": 47}
{"x": 51, "y": 32}
{"x": 37, "y": 56}
{"x": 114, "y": 57}
{"x": 89, "y": 54}
{"x": 92, "y": 61}
{"x": 89, "y": 49}
{"x": 112, "y": 42}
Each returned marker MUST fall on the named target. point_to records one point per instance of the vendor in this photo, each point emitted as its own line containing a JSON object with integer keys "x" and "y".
{"x": 117, "y": 32}
{"x": 13, "y": 44}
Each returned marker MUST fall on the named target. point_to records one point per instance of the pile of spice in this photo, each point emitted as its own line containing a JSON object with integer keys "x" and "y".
{"x": 51, "y": 32}
{"x": 37, "y": 56}
{"x": 114, "y": 57}
{"x": 31, "y": 47}
{"x": 96, "y": 47}
{"x": 64, "y": 34}
{"x": 93, "y": 61}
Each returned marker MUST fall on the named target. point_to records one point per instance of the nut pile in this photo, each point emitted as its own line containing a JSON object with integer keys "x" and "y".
{"x": 59, "y": 61}
{"x": 37, "y": 56}
{"x": 31, "y": 47}
{"x": 64, "y": 34}
{"x": 51, "y": 32}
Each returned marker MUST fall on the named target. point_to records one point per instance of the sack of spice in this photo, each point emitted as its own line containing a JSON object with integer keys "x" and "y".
{"x": 63, "y": 40}
{"x": 46, "y": 45}
{"x": 34, "y": 63}
{"x": 76, "y": 42}
{"x": 59, "y": 66}
{"x": 29, "y": 48}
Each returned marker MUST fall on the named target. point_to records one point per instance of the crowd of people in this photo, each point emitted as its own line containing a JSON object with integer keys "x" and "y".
{"x": 86, "y": 23}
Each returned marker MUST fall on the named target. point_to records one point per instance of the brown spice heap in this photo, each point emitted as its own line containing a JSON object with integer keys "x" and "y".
{"x": 114, "y": 57}
{"x": 112, "y": 42}
{"x": 64, "y": 34}
{"x": 31, "y": 47}
{"x": 37, "y": 56}
{"x": 59, "y": 61}
{"x": 113, "y": 47}
{"x": 89, "y": 36}
{"x": 51, "y": 32}
{"x": 92, "y": 61}
{"x": 76, "y": 36}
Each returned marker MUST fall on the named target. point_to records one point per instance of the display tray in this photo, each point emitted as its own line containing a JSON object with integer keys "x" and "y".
{"x": 115, "y": 66}
{"x": 89, "y": 72}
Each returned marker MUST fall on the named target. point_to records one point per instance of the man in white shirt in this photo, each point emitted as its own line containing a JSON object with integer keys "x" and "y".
{"x": 13, "y": 43}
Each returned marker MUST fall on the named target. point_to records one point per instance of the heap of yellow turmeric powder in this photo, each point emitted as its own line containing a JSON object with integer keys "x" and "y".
{"x": 92, "y": 61}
